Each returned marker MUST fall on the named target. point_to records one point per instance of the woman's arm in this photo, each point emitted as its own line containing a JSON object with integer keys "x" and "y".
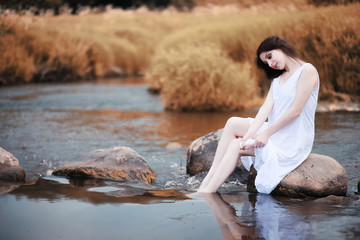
{"x": 261, "y": 116}
{"x": 307, "y": 82}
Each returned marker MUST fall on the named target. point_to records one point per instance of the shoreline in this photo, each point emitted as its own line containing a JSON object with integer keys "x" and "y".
{"x": 337, "y": 106}
{"x": 324, "y": 106}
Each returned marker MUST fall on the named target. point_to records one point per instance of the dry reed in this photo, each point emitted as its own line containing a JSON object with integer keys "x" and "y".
{"x": 200, "y": 85}
{"x": 66, "y": 48}
{"x": 199, "y": 60}
{"x": 326, "y": 37}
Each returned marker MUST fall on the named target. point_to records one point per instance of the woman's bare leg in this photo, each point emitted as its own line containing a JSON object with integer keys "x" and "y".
{"x": 235, "y": 127}
{"x": 226, "y": 166}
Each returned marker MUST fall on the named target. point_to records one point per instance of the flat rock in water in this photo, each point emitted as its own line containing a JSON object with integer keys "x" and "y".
{"x": 120, "y": 164}
{"x": 331, "y": 199}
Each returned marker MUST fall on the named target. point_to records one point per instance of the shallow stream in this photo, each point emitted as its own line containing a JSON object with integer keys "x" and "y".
{"x": 43, "y": 125}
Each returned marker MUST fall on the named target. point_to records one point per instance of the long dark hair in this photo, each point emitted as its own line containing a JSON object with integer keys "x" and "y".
{"x": 271, "y": 43}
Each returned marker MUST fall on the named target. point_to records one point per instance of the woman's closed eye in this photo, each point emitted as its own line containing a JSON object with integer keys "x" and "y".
{"x": 269, "y": 56}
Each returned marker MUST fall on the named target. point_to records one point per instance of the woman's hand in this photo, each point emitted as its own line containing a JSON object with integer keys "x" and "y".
{"x": 245, "y": 138}
{"x": 249, "y": 143}
{"x": 261, "y": 139}
{"x": 242, "y": 143}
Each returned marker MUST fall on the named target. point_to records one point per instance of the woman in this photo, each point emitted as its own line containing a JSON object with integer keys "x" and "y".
{"x": 284, "y": 141}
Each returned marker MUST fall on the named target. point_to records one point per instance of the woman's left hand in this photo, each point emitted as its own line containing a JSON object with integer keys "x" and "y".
{"x": 261, "y": 139}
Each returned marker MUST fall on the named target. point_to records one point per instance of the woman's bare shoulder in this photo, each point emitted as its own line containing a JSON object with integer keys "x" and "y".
{"x": 310, "y": 69}
{"x": 309, "y": 75}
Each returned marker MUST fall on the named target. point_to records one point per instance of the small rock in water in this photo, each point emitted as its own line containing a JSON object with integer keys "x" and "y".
{"x": 171, "y": 184}
{"x": 11, "y": 173}
{"x": 10, "y": 169}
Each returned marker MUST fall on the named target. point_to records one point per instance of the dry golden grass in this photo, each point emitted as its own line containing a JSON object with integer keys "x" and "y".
{"x": 77, "y": 47}
{"x": 326, "y": 37}
{"x": 199, "y": 60}
{"x": 200, "y": 84}
{"x": 253, "y": 6}
{"x": 67, "y": 48}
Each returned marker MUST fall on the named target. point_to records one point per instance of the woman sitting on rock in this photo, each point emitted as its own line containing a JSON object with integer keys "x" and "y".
{"x": 277, "y": 146}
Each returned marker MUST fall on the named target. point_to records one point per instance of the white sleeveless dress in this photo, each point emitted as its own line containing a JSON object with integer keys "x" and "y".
{"x": 290, "y": 146}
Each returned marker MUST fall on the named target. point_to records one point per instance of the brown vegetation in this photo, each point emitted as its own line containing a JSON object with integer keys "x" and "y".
{"x": 68, "y": 48}
{"x": 198, "y": 60}
{"x": 326, "y": 37}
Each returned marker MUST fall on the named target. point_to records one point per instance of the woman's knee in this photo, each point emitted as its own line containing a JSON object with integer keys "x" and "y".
{"x": 233, "y": 122}
{"x": 237, "y": 125}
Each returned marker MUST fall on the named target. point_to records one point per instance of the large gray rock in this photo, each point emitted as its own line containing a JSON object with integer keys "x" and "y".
{"x": 120, "y": 164}
{"x": 201, "y": 152}
{"x": 10, "y": 169}
{"x": 200, "y": 156}
{"x": 317, "y": 176}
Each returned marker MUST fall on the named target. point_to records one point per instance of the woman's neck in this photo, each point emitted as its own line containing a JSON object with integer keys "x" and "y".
{"x": 293, "y": 64}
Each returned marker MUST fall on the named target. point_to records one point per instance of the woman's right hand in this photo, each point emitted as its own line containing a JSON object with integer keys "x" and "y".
{"x": 245, "y": 143}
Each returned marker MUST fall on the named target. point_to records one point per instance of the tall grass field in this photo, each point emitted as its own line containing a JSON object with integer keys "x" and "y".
{"x": 197, "y": 60}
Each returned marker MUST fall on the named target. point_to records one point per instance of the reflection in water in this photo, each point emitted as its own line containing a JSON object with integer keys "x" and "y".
{"x": 262, "y": 217}
{"x": 95, "y": 191}
{"x": 225, "y": 216}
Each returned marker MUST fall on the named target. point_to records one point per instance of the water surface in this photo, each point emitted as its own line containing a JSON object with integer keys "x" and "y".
{"x": 43, "y": 125}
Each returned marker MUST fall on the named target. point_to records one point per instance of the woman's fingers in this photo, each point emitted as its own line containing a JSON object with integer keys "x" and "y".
{"x": 246, "y": 143}
{"x": 261, "y": 139}
{"x": 259, "y": 143}
{"x": 242, "y": 143}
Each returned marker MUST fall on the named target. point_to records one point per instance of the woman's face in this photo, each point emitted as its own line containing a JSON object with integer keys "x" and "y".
{"x": 274, "y": 58}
